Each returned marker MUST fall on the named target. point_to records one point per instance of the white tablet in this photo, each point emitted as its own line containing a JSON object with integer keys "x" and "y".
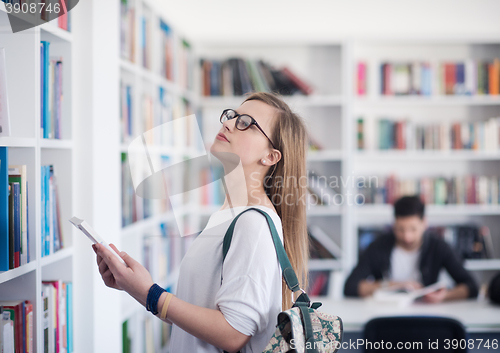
{"x": 92, "y": 235}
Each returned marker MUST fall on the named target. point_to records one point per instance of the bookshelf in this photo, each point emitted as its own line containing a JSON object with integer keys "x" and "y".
{"x": 436, "y": 108}
{"x": 328, "y": 66}
{"x": 156, "y": 88}
{"x": 26, "y": 147}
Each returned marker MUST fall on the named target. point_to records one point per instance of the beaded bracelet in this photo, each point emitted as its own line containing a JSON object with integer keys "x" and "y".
{"x": 152, "y": 300}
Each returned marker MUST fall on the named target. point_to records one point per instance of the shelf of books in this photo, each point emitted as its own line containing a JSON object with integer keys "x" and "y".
{"x": 159, "y": 138}
{"x": 37, "y": 193}
{"x": 425, "y": 120}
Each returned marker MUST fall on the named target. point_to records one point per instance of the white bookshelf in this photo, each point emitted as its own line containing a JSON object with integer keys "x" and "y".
{"x": 331, "y": 113}
{"x": 425, "y": 109}
{"x": 147, "y": 81}
{"x": 25, "y": 146}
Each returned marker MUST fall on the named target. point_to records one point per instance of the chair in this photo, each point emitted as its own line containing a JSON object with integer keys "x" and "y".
{"x": 414, "y": 334}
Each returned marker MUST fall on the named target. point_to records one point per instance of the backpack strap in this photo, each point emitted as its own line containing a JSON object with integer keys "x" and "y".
{"x": 286, "y": 267}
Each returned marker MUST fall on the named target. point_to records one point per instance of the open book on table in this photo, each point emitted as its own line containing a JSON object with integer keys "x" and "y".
{"x": 404, "y": 296}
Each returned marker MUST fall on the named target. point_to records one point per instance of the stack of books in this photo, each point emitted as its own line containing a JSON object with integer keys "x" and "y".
{"x": 51, "y": 71}
{"x": 16, "y": 326}
{"x": 52, "y": 232}
{"x": 57, "y": 319}
{"x": 238, "y": 76}
{"x": 468, "y": 77}
{"x": 438, "y": 190}
{"x": 405, "y": 134}
{"x": 15, "y": 233}
{"x": 127, "y": 30}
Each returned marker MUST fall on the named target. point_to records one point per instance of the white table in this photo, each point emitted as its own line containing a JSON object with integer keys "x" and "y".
{"x": 476, "y": 316}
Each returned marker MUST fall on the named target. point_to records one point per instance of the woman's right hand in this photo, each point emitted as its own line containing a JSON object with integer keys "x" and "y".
{"x": 106, "y": 274}
{"x": 133, "y": 278}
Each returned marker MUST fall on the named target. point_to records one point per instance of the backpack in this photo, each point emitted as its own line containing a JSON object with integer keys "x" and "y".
{"x": 301, "y": 328}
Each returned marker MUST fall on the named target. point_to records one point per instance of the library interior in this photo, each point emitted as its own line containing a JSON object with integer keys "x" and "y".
{"x": 357, "y": 142}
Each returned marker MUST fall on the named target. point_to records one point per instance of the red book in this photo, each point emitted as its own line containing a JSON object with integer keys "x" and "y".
{"x": 494, "y": 77}
{"x": 387, "y": 79}
{"x": 304, "y": 87}
{"x": 318, "y": 284}
{"x": 29, "y": 326}
{"x": 449, "y": 78}
{"x": 361, "y": 78}
{"x": 457, "y": 143}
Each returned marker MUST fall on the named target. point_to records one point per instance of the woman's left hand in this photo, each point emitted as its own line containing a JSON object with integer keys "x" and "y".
{"x": 132, "y": 278}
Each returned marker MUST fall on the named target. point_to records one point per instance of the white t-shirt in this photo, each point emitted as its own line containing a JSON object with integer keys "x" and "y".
{"x": 250, "y": 294}
{"x": 404, "y": 265}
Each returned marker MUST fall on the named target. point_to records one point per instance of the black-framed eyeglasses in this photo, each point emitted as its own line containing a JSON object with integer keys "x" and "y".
{"x": 243, "y": 122}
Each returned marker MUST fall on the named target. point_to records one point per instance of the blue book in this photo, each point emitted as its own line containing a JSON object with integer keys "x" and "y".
{"x": 129, "y": 110}
{"x": 46, "y": 113}
{"x": 47, "y": 211}
{"x": 4, "y": 209}
{"x": 459, "y": 78}
{"x": 42, "y": 230}
{"x": 42, "y": 85}
{"x": 69, "y": 317}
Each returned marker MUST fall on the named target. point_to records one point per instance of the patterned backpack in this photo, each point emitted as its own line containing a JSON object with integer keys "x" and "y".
{"x": 302, "y": 328}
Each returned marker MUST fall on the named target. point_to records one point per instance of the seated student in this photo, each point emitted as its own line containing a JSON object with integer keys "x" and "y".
{"x": 409, "y": 256}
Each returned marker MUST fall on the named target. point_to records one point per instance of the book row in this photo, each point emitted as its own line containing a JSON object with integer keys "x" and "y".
{"x": 137, "y": 207}
{"x": 16, "y": 327}
{"x": 322, "y": 246}
{"x": 51, "y": 79}
{"x": 156, "y": 334}
{"x": 15, "y": 235}
{"x": 468, "y": 77}
{"x": 156, "y": 111}
{"x": 175, "y": 59}
{"x": 51, "y": 228}
{"x": 57, "y": 319}
{"x": 406, "y": 134}
{"x": 438, "y": 190}
{"x": 15, "y": 232}
{"x": 238, "y": 76}
{"x": 470, "y": 241}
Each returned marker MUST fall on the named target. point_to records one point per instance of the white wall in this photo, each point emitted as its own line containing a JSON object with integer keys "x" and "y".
{"x": 322, "y": 20}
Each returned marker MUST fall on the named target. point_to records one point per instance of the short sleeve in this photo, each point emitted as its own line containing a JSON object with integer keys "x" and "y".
{"x": 250, "y": 273}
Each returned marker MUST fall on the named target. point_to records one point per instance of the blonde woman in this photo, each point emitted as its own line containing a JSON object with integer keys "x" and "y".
{"x": 240, "y": 313}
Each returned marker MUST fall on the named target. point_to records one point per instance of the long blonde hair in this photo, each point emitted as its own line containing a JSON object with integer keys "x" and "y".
{"x": 284, "y": 185}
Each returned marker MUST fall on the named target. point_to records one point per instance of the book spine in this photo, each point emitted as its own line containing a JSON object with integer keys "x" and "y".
{"x": 4, "y": 210}
{"x": 17, "y": 224}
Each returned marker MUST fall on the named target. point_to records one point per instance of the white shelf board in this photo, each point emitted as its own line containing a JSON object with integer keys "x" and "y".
{"x": 425, "y": 155}
{"x": 55, "y": 143}
{"x": 324, "y": 264}
{"x": 483, "y": 264}
{"x": 324, "y": 210}
{"x": 428, "y": 100}
{"x": 57, "y": 32}
{"x": 57, "y": 256}
{"x": 17, "y": 141}
{"x": 377, "y": 210}
{"x": 17, "y": 272}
